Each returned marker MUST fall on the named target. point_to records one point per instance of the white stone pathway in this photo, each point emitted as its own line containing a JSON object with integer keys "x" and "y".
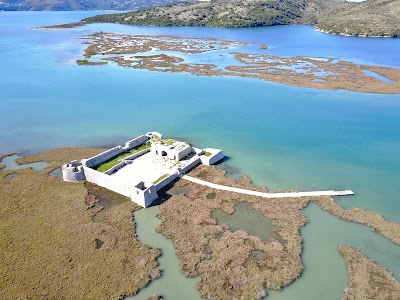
{"x": 267, "y": 195}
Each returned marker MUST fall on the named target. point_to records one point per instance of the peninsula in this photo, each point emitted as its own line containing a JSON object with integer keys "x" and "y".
{"x": 369, "y": 18}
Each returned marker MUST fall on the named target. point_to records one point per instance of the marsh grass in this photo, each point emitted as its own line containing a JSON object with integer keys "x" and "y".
{"x": 367, "y": 279}
{"x": 233, "y": 263}
{"x": 48, "y": 240}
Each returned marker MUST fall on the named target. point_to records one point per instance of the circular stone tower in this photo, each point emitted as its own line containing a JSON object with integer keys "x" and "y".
{"x": 73, "y": 171}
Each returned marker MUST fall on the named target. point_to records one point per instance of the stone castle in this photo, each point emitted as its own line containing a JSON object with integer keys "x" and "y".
{"x": 141, "y": 167}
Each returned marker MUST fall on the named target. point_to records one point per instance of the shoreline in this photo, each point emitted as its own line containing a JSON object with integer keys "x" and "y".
{"x": 349, "y": 35}
{"x": 50, "y": 217}
{"x": 356, "y": 214}
{"x": 325, "y": 73}
{"x": 325, "y": 31}
{"x": 199, "y": 262}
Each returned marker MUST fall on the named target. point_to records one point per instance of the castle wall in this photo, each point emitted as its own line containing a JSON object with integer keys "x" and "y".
{"x": 123, "y": 163}
{"x": 110, "y": 153}
{"x": 102, "y": 157}
{"x": 73, "y": 174}
{"x": 146, "y": 197}
{"x": 165, "y": 181}
{"x": 138, "y": 192}
{"x": 107, "y": 182}
{"x": 194, "y": 161}
{"x": 136, "y": 142}
{"x": 216, "y": 155}
{"x": 184, "y": 152}
{"x": 115, "y": 168}
{"x": 137, "y": 154}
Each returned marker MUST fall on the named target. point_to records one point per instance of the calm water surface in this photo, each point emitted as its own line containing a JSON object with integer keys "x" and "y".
{"x": 281, "y": 136}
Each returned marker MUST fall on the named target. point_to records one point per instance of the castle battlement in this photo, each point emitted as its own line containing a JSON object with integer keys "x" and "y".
{"x": 141, "y": 167}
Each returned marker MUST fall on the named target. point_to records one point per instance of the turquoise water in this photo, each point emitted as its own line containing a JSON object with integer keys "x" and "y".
{"x": 250, "y": 220}
{"x": 172, "y": 285}
{"x": 10, "y": 164}
{"x": 281, "y": 136}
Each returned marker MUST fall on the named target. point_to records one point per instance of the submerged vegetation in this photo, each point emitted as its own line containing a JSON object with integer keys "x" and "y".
{"x": 85, "y": 62}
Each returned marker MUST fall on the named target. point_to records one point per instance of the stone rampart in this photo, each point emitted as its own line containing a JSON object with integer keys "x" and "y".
{"x": 107, "y": 182}
{"x": 137, "y": 154}
{"x": 73, "y": 173}
{"x": 139, "y": 192}
{"x": 126, "y": 161}
{"x": 165, "y": 181}
{"x": 136, "y": 142}
{"x": 115, "y": 168}
{"x": 215, "y": 156}
{"x": 110, "y": 153}
{"x": 194, "y": 161}
{"x": 102, "y": 157}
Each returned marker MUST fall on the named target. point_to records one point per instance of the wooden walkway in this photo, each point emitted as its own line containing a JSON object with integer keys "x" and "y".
{"x": 267, "y": 195}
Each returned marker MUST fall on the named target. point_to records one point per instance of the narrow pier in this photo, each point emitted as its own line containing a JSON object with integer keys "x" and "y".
{"x": 267, "y": 195}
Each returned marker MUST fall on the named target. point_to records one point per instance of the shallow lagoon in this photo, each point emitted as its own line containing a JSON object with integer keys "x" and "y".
{"x": 281, "y": 136}
{"x": 248, "y": 219}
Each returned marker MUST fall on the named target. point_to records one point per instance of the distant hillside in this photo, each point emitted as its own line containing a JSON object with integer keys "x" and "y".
{"x": 12, "y": 5}
{"x": 227, "y": 13}
{"x": 371, "y": 18}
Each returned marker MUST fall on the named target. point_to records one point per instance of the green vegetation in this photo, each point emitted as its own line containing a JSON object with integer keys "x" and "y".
{"x": 207, "y": 154}
{"x": 107, "y": 165}
{"x": 85, "y": 62}
{"x": 226, "y": 13}
{"x": 12, "y": 5}
{"x": 371, "y": 18}
{"x": 168, "y": 142}
{"x": 162, "y": 177}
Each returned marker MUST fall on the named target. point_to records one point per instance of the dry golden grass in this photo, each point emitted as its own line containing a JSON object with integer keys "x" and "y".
{"x": 367, "y": 280}
{"x": 49, "y": 242}
{"x": 223, "y": 258}
{"x": 389, "y": 229}
{"x": 57, "y": 157}
{"x": 323, "y": 73}
{"x": 338, "y": 75}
